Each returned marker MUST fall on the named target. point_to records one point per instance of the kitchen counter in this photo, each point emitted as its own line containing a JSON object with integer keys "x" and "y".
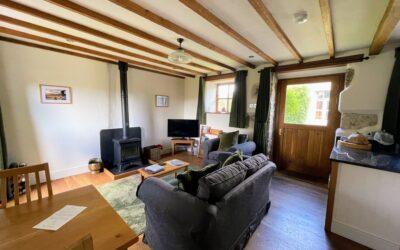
{"x": 363, "y": 197}
{"x": 376, "y": 160}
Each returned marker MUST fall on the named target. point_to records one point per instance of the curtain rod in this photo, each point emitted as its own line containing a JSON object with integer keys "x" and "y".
{"x": 319, "y": 64}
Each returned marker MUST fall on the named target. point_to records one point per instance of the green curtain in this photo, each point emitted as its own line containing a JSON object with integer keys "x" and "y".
{"x": 201, "y": 107}
{"x": 262, "y": 109}
{"x": 238, "y": 115}
{"x": 3, "y": 149}
{"x": 391, "y": 114}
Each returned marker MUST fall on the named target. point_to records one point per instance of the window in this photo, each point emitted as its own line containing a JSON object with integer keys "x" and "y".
{"x": 307, "y": 104}
{"x": 224, "y": 97}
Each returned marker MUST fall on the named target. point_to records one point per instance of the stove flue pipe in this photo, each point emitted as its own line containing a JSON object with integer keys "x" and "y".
{"x": 123, "y": 69}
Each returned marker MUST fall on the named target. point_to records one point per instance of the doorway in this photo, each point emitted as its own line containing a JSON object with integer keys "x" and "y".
{"x": 306, "y": 121}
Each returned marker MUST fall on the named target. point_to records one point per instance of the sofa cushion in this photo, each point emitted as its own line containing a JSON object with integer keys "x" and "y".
{"x": 215, "y": 185}
{"x": 227, "y": 140}
{"x": 236, "y": 156}
{"x": 188, "y": 181}
{"x": 254, "y": 163}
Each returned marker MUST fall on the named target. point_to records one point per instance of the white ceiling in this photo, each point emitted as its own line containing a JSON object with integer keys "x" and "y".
{"x": 354, "y": 24}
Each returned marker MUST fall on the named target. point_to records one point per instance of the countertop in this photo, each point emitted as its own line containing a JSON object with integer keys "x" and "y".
{"x": 370, "y": 159}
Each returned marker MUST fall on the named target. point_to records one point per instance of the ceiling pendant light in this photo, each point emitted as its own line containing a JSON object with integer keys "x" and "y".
{"x": 179, "y": 55}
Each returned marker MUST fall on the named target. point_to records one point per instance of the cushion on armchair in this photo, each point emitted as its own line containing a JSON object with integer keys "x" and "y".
{"x": 227, "y": 140}
{"x": 214, "y": 155}
{"x": 189, "y": 180}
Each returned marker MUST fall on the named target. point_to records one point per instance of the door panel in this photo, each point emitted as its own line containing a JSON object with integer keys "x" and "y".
{"x": 307, "y": 120}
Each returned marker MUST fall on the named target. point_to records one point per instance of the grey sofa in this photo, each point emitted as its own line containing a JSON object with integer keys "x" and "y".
{"x": 212, "y": 155}
{"x": 177, "y": 220}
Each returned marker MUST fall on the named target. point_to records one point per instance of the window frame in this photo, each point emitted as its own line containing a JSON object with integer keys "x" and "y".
{"x": 217, "y": 98}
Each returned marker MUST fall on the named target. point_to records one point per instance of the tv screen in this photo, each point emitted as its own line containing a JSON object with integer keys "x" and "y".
{"x": 183, "y": 128}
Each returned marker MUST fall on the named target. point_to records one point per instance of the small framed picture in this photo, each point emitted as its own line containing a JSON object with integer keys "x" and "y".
{"x": 162, "y": 101}
{"x": 55, "y": 94}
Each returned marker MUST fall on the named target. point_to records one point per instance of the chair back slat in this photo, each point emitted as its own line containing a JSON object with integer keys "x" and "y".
{"x": 3, "y": 192}
{"x": 15, "y": 173}
{"x": 27, "y": 188}
{"x": 16, "y": 189}
{"x": 38, "y": 187}
{"x": 48, "y": 181}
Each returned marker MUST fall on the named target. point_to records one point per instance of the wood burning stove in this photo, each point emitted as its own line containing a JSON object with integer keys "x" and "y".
{"x": 126, "y": 152}
{"x": 122, "y": 151}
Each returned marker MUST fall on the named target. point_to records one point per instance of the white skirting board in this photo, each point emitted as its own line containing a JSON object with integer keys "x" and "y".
{"x": 364, "y": 238}
{"x": 58, "y": 174}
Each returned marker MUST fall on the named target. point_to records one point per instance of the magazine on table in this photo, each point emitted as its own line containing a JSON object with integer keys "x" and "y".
{"x": 155, "y": 168}
{"x": 176, "y": 163}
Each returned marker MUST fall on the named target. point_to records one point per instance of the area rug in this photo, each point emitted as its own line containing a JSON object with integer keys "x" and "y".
{"x": 121, "y": 194}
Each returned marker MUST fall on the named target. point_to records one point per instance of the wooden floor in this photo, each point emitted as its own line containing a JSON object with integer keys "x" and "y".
{"x": 295, "y": 220}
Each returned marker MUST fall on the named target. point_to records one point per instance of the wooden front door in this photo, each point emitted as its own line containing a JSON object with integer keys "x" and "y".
{"x": 307, "y": 118}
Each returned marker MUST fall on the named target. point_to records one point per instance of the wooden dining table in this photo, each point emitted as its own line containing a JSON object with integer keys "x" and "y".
{"x": 99, "y": 220}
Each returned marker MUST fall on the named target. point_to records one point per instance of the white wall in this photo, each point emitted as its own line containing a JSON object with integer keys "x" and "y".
{"x": 64, "y": 135}
{"x": 142, "y": 88}
{"x": 67, "y": 135}
{"x": 367, "y": 206}
{"x": 368, "y": 90}
{"x": 190, "y": 99}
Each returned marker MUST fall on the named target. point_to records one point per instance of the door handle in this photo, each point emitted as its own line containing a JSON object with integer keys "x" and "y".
{"x": 280, "y": 132}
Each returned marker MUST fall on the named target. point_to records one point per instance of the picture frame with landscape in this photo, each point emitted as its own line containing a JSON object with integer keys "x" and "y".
{"x": 51, "y": 94}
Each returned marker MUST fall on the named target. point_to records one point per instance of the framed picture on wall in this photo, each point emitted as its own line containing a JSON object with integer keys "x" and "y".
{"x": 51, "y": 94}
{"x": 162, "y": 101}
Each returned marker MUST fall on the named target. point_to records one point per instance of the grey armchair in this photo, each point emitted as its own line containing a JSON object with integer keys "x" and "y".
{"x": 212, "y": 155}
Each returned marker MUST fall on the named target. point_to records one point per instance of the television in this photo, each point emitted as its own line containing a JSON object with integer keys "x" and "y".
{"x": 183, "y": 128}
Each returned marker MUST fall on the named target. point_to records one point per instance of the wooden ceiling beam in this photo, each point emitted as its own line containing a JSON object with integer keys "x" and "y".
{"x": 213, "y": 19}
{"x": 13, "y": 32}
{"x": 328, "y": 26}
{"x": 55, "y": 19}
{"x": 389, "y": 21}
{"x": 269, "y": 19}
{"x": 89, "y": 42}
{"x": 137, "y": 9}
{"x": 220, "y": 77}
{"x": 66, "y": 4}
{"x": 39, "y": 46}
{"x": 153, "y": 71}
{"x": 325, "y": 63}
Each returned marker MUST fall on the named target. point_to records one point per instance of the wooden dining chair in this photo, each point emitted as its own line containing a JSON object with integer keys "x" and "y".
{"x": 14, "y": 173}
{"x": 85, "y": 243}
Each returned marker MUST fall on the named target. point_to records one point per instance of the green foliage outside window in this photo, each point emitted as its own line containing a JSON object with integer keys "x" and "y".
{"x": 296, "y": 106}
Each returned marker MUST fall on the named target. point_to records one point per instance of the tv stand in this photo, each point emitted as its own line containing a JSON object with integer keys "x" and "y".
{"x": 181, "y": 141}
{"x": 181, "y": 138}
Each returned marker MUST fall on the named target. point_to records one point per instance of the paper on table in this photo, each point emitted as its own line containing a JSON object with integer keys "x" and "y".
{"x": 59, "y": 218}
{"x": 176, "y": 162}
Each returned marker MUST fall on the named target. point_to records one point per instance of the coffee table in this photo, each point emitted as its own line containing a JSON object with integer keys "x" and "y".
{"x": 168, "y": 169}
